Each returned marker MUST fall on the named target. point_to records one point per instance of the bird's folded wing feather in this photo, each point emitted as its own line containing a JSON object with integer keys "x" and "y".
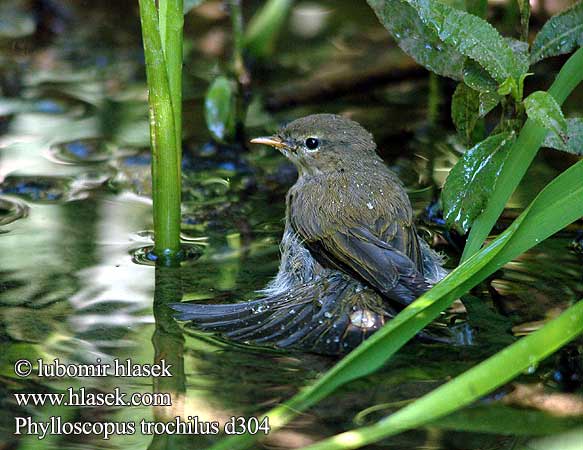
{"x": 386, "y": 268}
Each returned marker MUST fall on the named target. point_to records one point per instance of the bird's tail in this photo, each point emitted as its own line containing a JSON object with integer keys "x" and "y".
{"x": 330, "y": 315}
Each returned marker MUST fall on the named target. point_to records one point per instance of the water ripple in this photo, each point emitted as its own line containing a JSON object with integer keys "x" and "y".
{"x": 11, "y": 209}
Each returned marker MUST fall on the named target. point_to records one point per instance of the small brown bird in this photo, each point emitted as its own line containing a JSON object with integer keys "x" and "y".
{"x": 351, "y": 256}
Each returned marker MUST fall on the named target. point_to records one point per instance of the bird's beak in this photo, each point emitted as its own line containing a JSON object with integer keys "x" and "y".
{"x": 272, "y": 141}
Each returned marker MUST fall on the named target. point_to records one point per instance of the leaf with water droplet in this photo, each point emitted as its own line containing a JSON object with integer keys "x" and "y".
{"x": 472, "y": 37}
{"x": 561, "y": 34}
{"x": 520, "y": 51}
{"x": 574, "y": 142}
{"x": 469, "y": 105}
{"x": 488, "y": 101}
{"x": 465, "y": 108}
{"x": 470, "y": 183}
{"x": 543, "y": 108}
{"x": 476, "y": 77}
{"x": 220, "y": 109}
{"x": 417, "y": 39}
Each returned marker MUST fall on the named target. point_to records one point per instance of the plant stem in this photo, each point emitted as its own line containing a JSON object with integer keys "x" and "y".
{"x": 521, "y": 156}
{"x": 239, "y": 68}
{"x": 165, "y": 154}
{"x": 171, "y": 13}
{"x": 434, "y": 99}
{"x": 524, "y": 8}
{"x": 238, "y": 41}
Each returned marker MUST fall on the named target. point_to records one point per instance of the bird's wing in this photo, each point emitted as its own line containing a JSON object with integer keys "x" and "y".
{"x": 384, "y": 265}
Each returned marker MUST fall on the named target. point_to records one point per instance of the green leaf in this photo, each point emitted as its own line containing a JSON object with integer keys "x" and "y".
{"x": 520, "y": 50}
{"x": 507, "y": 86}
{"x": 574, "y": 142}
{"x": 544, "y": 110}
{"x": 470, "y": 183}
{"x": 476, "y": 77}
{"x": 561, "y": 34}
{"x": 265, "y": 27}
{"x": 418, "y": 40}
{"x": 465, "y": 107}
{"x": 470, "y": 36}
{"x": 521, "y": 156}
{"x": 220, "y": 109}
{"x": 488, "y": 101}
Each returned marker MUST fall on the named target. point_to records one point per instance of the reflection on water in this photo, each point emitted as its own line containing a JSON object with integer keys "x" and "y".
{"x": 76, "y": 280}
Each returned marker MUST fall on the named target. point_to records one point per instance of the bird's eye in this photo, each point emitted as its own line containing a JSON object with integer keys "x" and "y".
{"x": 312, "y": 143}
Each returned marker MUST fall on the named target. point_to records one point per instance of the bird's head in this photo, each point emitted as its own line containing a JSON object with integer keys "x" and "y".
{"x": 323, "y": 143}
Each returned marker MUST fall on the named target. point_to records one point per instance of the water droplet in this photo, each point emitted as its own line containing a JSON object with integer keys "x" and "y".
{"x": 362, "y": 318}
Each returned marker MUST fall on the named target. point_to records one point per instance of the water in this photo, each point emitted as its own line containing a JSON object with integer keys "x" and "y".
{"x": 77, "y": 280}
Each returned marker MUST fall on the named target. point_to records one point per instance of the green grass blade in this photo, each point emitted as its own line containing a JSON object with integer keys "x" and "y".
{"x": 559, "y": 204}
{"x": 469, "y": 386}
{"x": 521, "y": 155}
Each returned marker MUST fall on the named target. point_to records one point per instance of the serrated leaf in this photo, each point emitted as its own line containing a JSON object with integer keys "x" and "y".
{"x": 543, "y": 108}
{"x": 471, "y": 181}
{"x": 465, "y": 107}
{"x": 520, "y": 50}
{"x": 416, "y": 39}
{"x": 476, "y": 77}
{"x": 470, "y": 36}
{"x": 220, "y": 109}
{"x": 561, "y": 34}
{"x": 574, "y": 142}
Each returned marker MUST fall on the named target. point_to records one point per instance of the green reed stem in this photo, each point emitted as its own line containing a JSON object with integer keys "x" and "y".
{"x": 165, "y": 139}
{"x": 521, "y": 156}
{"x": 171, "y": 20}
